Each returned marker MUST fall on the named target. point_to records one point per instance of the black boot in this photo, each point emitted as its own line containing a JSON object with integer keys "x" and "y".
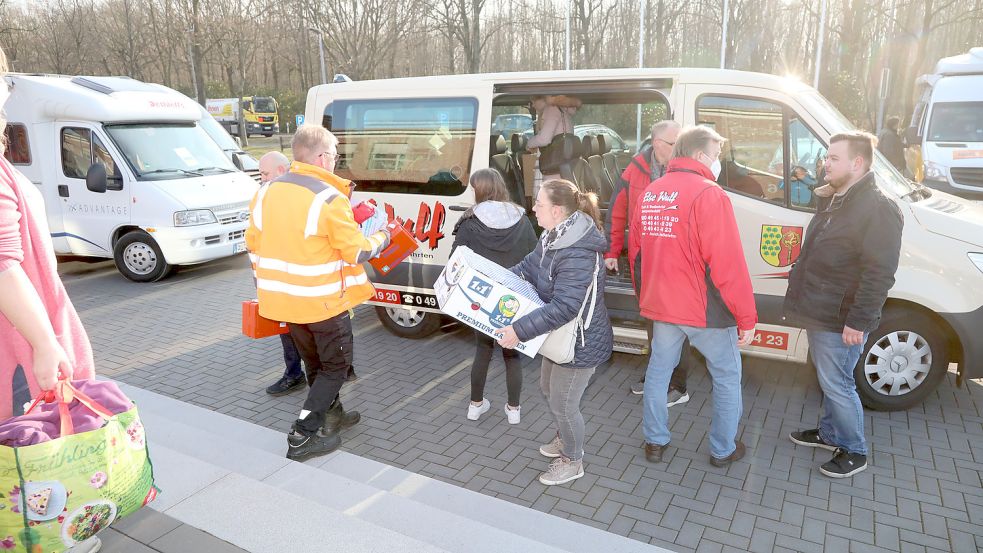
{"x": 301, "y": 446}
{"x": 337, "y": 419}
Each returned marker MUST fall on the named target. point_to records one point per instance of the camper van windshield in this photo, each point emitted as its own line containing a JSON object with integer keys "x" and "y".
{"x": 160, "y": 151}
{"x": 956, "y": 122}
{"x": 264, "y": 105}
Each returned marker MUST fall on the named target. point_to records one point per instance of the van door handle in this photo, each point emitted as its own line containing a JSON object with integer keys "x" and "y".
{"x": 63, "y": 190}
{"x": 458, "y": 207}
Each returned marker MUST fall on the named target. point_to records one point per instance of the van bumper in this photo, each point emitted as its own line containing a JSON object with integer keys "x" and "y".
{"x": 972, "y": 193}
{"x": 197, "y": 244}
{"x": 967, "y": 327}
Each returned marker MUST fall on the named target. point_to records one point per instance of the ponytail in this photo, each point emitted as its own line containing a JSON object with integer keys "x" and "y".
{"x": 566, "y": 195}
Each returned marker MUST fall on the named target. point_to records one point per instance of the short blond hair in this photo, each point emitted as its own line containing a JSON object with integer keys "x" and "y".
{"x": 310, "y": 141}
{"x": 695, "y": 139}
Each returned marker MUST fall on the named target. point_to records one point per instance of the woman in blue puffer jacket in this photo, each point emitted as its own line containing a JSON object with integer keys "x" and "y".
{"x": 568, "y": 257}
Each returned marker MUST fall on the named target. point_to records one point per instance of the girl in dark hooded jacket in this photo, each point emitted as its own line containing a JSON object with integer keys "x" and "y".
{"x": 567, "y": 259}
{"x": 498, "y": 230}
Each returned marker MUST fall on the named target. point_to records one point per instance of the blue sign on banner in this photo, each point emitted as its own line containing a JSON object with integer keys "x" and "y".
{"x": 300, "y": 120}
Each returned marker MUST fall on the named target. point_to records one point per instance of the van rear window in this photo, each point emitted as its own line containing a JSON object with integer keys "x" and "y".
{"x": 405, "y": 146}
{"x": 18, "y": 149}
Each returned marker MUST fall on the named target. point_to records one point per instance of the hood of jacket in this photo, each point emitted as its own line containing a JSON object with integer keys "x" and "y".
{"x": 498, "y": 215}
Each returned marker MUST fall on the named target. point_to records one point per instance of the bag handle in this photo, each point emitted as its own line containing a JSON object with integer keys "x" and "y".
{"x": 592, "y": 297}
{"x": 64, "y": 393}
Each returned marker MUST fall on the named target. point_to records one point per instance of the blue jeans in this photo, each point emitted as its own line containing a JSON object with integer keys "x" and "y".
{"x": 719, "y": 347}
{"x": 842, "y": 421}
{"x": 291, "y": 357}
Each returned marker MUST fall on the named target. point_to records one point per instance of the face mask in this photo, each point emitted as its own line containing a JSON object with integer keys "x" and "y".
{"x": 714, "y": 165}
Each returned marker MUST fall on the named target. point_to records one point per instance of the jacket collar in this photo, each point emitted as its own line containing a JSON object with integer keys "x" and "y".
{"x": 827, "y": 191}
{"x": 342, "y": 185}
{"x": 690, "y": 165}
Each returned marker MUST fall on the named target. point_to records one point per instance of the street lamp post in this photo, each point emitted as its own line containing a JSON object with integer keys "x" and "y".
{"x": 723, "y": 36}
{"x": 819, "y": 48}
{"x": 567, "y": 45}
{"x": 320, "y": 51}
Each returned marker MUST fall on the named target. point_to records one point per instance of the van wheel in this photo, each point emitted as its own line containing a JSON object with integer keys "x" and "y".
{"x": 138, "y": 257}
{"x": 904, "y": 360}
{"x": 267, "y": 135}
{"x": 408, "y": 323}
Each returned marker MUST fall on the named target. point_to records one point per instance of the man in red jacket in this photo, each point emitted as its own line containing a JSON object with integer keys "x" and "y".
{"x": 695, "y": 285}
{"x": 647, "y": 166}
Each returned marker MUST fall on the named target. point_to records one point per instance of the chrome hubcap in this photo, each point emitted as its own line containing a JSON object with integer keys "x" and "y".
{"x": 898, "y": 363}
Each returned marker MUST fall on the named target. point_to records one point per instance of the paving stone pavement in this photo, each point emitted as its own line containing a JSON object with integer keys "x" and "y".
{"x": 922, "y": 492}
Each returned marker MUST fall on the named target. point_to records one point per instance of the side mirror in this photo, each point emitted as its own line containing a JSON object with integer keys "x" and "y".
{"x": 96, "y": 179}
{"x": 911, "y": 136}
{"x": 237, "y": 139}
{"x": 237, "y": 160}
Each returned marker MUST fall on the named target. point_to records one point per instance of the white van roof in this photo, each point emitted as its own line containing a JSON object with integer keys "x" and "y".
{"x": 103, "y": 99}
{"x": 687, "y": 75}
{"x": 963, "y": 64}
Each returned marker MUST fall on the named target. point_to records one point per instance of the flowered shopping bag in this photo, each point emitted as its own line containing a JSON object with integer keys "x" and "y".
{"x": 87, "y": 465}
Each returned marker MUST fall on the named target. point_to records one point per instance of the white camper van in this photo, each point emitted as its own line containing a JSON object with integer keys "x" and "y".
{"x": 412, "y": 143}
{"x": 127, "y": 172}
{"x": 947, "y": 125}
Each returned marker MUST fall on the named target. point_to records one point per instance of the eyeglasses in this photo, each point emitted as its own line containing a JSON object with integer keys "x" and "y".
{"x": 666, "y": 141}
{"x": 329, "y": 155}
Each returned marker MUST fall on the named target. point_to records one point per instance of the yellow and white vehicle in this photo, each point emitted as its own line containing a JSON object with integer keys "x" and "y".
{"x": 260, "y": 113}
{"x": 411, "y": 143}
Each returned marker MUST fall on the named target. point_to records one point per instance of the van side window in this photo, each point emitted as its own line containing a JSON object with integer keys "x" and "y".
{"x": 752, "y": 160}
{"x": 76, "y": 151}
{"x": 18, "y": 151}
{"x": 405, "y": 146}
{"x": 101, "y": 155}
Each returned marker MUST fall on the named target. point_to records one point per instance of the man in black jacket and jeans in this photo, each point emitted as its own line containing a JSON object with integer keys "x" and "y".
{"x": 837, "y": 290}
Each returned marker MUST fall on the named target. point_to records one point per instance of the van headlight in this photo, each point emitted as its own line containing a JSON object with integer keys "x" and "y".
{"x": 977, "y": 259}
{"x": 194, "y": 217}
{"x": 934, "y": 171}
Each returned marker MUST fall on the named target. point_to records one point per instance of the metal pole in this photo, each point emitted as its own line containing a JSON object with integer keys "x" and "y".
{"x": 819, "y": 49}
{"x": 641, "y": 63}
{"x": 567, "y": 50}
{"x": 723, "y": 35}
{"x": 320, "y": 50}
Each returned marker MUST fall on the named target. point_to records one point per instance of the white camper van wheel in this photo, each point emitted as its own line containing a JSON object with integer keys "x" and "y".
{"x": 138, "y": 257}
{"x": 408, "y": 323}
{"x": 903, "y": 361}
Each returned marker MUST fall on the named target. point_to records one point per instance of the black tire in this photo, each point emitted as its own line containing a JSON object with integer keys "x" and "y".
{"x": 267, "y": 135}
{"x": 907, "y": 357}
{"x": 138, "y": 257}
{"x": 408, "y": 323}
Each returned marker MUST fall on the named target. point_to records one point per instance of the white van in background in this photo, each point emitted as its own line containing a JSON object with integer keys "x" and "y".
{"x": 411, "y": 144}
{"x": 947, "y": 126}
{"x": 126, "y": 172}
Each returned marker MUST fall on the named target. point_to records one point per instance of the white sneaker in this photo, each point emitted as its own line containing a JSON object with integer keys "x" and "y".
{"x": 512, "y": 414}
{"x": 475, "y": 411}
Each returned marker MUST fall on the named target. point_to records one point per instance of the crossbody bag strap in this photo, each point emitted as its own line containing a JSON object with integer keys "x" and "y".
{"x": 591, "y": 296}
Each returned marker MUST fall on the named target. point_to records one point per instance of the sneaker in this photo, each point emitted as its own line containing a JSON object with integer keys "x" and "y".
{"x": 810, "y": 438}
{"x": 561, "y": 471}
{"x": 338, "y": 419}
{"x": 286, "y": 385}
{"x": 653, "y": 452}
{"x": 475, "y": 411}
{"x": 739, "y": 451}
{"x": 512, "y": 414}
{"x": 676, "y": 397}
{"x": 553, "y": 449}
{"x": 844, "y": 464}
{"x": 301, "y": 446}
{"x": 91, "y": 545}
{"x": 638, "y": 388}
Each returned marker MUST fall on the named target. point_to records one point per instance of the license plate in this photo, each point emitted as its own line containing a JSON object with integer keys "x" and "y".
{"x": 238, "y": 247}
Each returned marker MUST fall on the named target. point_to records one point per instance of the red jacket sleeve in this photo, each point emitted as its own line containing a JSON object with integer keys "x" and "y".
{"x": 720, "y": 247}
{"x": 618, "y": 216}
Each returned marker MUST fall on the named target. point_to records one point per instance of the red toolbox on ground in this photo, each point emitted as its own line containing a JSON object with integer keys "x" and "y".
{"x": 400, "y": 247}
{"x": 255, "y": 325}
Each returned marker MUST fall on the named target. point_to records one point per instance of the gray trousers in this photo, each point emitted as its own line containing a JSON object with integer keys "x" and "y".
{"x": 563, "y": 388}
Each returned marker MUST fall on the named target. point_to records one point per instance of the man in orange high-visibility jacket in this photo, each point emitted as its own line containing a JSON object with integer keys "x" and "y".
{"x": 307, "y": 252}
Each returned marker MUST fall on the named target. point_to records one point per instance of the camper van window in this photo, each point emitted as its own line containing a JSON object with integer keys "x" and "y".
{"x": 101, "y": 154}
{"x": 18, "y": 151}
{"x": 956, "y": 122}
{"x": 76, "y": 152}
{"x": 752, "y": 161}
{"x": 164, "y": 151}
{"x": 405, "y": 146}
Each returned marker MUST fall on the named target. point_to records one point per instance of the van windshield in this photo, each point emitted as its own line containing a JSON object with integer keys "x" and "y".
{"x": 956, "y": 122}
{"x": 888, "y": 177}
{"x": 163, "y": 151}
{"x": 225, "y": 141}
